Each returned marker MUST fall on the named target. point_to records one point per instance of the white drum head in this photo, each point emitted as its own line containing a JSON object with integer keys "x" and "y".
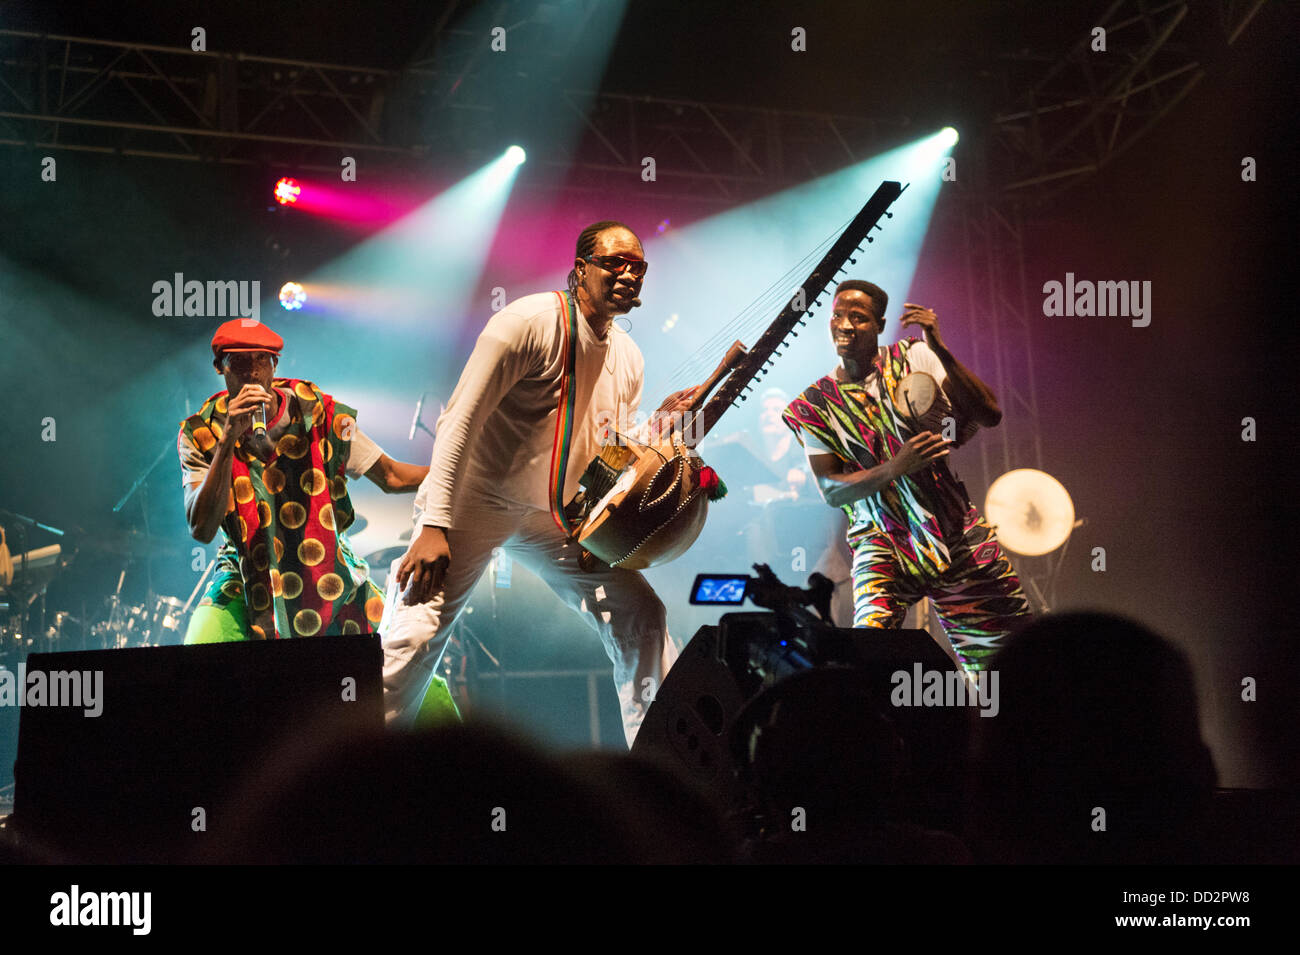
{"x": 1031, "y": 511}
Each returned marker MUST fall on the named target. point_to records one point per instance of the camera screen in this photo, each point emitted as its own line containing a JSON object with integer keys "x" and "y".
{"x": 719, "y": 589}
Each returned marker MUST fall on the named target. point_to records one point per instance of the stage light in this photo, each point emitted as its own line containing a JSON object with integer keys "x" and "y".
{"x": 948, "y": 136}
{"x": 777, "y": 232}
{"x": 663, "y": 226}
{"x": 292, "y": 296}
{"x": 287, "y": 191}
{"x": 516, "y": 155}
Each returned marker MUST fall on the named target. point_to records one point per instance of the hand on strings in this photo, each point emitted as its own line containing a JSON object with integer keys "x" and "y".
{"x": 669, "y": 416}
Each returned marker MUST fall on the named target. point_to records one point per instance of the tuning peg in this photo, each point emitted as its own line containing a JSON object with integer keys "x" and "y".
{"x": 888, "y": 215}
{"x": 870, "y": 239}
{"x": 853, "y": 261}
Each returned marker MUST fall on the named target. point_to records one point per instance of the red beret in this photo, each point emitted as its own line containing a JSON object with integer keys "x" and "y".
{"x": 244, "y": 334}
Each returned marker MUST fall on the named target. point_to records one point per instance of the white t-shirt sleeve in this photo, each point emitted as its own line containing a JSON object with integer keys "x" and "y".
{"x": 363, "y": 454}
{"x": 194, "y": 468}
{"x": 501, "y": 357}
{"x": 813, "y": 446}
{"x": 921, "y": 358}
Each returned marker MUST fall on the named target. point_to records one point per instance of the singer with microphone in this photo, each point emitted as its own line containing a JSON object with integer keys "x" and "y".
{"x": 266, "y": 461}
{"x": 549, "y": 374}
{"x": 913, "y": 529}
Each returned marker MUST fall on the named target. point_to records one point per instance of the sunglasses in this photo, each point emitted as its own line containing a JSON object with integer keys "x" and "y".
{"x": 245, "y": 362}
{"x": 617, "y": 263}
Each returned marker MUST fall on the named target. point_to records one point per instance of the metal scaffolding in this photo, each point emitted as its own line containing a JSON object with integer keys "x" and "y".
{"x": 1092, "y": 105}
{"x": 76, "y": 93}
{"x": 133, "y": 99}
{"x": 1078, "y": 116}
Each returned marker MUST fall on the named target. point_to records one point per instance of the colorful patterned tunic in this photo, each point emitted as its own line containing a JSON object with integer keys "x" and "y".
{"x": 919, "y": 536}
{"x": 918, "y": 516}
{"x": 285, "y": 552}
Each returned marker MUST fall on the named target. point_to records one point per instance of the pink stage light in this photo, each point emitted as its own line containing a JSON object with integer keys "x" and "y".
{"x": 366, "y": 208}
{"x": 287, "y": 191}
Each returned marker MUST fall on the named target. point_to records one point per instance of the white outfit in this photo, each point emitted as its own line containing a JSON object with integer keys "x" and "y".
{"x": 488, "y": 486}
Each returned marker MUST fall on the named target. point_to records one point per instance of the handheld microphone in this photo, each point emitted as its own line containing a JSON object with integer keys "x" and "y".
{"x": 635, "y": 303}
{"x": 259, "y": 442}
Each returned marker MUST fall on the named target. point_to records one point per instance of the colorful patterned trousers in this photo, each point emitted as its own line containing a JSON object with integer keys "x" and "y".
{"x": 978, "y": 599}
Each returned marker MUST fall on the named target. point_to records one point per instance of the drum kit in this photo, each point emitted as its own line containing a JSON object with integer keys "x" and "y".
{"x": 159, "y": 621}
{"x": 23, "y": 580}
{"x": 28, "y": 625}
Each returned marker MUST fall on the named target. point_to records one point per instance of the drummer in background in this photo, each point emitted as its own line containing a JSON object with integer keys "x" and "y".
{"x": 277, "y": 488}
{"x": 913, "y": 529}
{"x": 781, "y": 453}
{"x": 777, "y": 521}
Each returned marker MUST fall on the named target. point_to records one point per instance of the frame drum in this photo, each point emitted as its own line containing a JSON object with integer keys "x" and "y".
{"x": 922, "y": 402}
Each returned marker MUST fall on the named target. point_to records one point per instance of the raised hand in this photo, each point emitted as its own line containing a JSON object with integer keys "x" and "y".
{"x": 926, "y": 320}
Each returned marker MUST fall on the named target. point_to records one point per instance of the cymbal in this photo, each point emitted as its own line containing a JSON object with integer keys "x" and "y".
{"x": 1031, "y": 510}
{"x": 358, "y": 524}
{"x": 129, "y": 543}
{"x": 382, "y": 558}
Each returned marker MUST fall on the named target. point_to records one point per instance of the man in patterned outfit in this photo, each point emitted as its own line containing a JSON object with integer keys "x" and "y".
{"x": 278, "y": 489}
{"x": 914, "y": 532}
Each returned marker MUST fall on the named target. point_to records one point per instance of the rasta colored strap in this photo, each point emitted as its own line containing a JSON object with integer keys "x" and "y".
{"x": 564, "y": 413}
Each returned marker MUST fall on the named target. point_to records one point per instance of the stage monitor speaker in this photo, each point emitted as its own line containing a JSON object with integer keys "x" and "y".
{"x": 724, "y": 667}
{"x": 177, "y": 728}
{"x": 687, "y": 722}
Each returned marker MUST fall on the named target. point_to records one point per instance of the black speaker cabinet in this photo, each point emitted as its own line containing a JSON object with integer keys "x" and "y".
{"x": 724, "y": 667}
{"x": 176, "y": 728}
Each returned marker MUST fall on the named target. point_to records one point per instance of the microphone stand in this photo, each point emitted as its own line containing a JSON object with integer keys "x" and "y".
{"x": 144, "y": 510}
{"x": 144, "y": 476}
{"x": 417, "y": 423}
{"x": 31, "y": 521}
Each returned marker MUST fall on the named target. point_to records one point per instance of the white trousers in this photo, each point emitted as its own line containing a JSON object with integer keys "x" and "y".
{"x": 618, "y": 604}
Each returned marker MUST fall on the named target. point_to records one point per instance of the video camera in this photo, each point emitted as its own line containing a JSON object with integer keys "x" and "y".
{"x": 761, "y": 648}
